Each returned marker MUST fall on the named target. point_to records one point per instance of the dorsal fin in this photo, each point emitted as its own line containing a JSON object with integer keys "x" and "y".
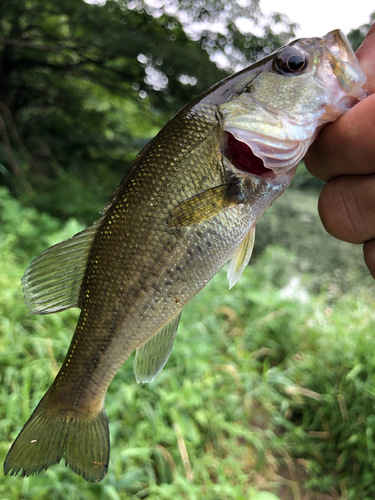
{"x": 152, "y": 356}
{"x": 53, "y": 280}
{"x": 241, "y": 258}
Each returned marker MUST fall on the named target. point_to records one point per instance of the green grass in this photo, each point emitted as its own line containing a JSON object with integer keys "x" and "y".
{"x": 265, "y": 390}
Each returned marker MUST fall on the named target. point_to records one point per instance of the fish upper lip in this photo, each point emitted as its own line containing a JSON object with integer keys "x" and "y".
{"x": 337, "y": 44}
{"x": 343, "y": 62}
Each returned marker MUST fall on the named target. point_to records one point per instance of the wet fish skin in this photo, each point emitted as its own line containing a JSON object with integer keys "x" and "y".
{"x": 142, "y": 294}
{"x": 183, "y": 210}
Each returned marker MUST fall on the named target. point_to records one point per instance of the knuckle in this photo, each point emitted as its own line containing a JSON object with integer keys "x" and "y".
{"x": 340, "y": 211}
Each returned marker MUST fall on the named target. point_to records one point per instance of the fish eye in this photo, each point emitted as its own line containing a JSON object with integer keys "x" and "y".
{"x": 290, "y": 61}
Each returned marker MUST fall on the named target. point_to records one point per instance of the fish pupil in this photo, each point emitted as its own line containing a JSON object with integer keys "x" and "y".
{"x": 290, "y": 61}
{"x": 295, "y": 62}
{"x": 244, "y": 159}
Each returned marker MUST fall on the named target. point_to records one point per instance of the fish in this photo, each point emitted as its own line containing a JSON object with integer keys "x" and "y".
{"x": 187, "y": 206}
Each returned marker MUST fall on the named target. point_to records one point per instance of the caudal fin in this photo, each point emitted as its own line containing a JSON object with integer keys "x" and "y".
{"x": 48, "y": 435}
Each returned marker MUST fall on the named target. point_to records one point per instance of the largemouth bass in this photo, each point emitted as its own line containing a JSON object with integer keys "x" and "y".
{"x": 188, "y": 205}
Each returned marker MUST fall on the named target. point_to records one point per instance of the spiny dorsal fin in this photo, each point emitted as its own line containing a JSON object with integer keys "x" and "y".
{"x": 152, "y": 356}
{"x": 202, "y": 206}
{"x": 241, "y": 258}
{"x": 52, "y": 282}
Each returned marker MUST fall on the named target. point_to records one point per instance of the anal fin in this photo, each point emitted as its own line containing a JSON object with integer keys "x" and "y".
{"x": 241, "y": 258}
{"x": 152, "y": 356}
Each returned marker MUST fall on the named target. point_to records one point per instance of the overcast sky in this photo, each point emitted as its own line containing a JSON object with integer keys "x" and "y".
{"x": 318, "y": 17}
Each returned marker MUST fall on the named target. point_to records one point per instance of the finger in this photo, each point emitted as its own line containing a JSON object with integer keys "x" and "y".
{"x": 347, "y": 208}
{"x": 369, "y": 254}
{"x": 346, "y": 146}
{"x": 371, "y": 30}
{"x": 343, "y": 147}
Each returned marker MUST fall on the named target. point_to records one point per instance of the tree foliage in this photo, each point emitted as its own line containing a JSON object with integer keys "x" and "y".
{"x": 357, "y": 35}
{"x": 84, "y": 86}
{"x": 226, "y": 28}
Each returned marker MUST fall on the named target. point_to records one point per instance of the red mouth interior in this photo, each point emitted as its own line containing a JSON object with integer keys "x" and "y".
{"x": 244, "y": 159}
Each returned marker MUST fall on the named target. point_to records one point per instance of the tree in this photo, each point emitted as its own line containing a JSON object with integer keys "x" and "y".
{"x": 226, "y": 27}
{"x": 84, "y": 86}
{"x": 357, "y": 35}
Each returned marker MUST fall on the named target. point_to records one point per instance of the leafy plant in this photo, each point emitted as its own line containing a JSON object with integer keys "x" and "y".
{"x": 269, "y": 387}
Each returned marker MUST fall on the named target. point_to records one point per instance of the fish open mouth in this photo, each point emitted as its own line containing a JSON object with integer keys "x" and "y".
{"x": 242, "y": 157}
{"x": 263, "y": 155}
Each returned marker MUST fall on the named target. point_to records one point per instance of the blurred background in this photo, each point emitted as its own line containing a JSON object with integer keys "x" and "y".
{"x": 269, "y": 390}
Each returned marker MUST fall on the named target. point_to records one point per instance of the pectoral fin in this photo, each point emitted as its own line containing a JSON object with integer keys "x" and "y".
{"x": 205, "y": 205}
{"x": 151, "y": 358}
{"x": 241, "y": 258}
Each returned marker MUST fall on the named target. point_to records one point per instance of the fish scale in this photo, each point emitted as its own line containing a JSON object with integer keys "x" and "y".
{"x": 141, "y": 300}
{"x": 188, "y": 205}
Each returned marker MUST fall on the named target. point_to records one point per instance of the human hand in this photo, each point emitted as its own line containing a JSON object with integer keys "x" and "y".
{"x": 344, "y": 156}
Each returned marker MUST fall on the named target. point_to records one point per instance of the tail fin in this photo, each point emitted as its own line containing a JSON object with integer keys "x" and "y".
{"x": 48, "y": 435}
